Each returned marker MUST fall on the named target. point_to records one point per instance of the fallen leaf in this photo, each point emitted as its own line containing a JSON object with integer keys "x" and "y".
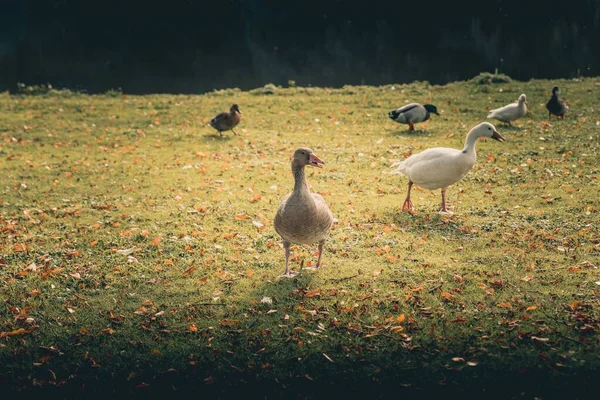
{"x": 312, "y": 293}
{"x": 540, "y": 339}
{"x": 575, "y": 305}
{"x": 19, "y": 331}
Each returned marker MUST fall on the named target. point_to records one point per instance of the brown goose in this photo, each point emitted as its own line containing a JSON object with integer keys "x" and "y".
{"x": 303, "y": 217}
{"x": 227, "y": 121}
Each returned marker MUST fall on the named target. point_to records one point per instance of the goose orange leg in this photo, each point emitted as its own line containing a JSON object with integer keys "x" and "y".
{"x": 288, "y": 273}
{"x": 234, "y": 132}
{"x": 411, "y": 125}
{"x": 444, "y": 209}
{"x": 407, "y": 206}
{"x": 321, "y": 243}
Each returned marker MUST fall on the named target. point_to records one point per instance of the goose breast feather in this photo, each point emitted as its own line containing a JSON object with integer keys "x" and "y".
{"x": 303, "y": 219}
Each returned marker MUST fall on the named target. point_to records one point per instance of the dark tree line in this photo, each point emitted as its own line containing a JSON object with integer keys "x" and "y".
{"x": 195, "y": 46}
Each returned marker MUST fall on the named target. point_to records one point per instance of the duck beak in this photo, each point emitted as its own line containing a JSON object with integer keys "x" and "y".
{"x": 497, "y": 136}
{"x": 315, "y": 161}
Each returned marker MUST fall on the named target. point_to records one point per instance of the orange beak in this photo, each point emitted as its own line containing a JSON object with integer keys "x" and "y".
{"x": 315, "y": 161}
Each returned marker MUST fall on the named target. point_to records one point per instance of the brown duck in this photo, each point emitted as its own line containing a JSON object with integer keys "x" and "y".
{"x": 303, "y": 217}
{"x": 227, "y": 121}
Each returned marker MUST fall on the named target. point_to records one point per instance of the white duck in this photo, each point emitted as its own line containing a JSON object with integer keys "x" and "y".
{"x": 510, "y": 112}
{"x": 440, "y": 167}
{"x": 303, "y": 217}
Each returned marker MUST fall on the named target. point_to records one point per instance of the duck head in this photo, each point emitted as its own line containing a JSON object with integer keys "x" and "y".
{"x": 486, "y": 129}
{"x": 235, "y": 109}
{"x": 304, "y": 156}
{"x": 522, "y": 99}
{"x": 555, "y": 91}
{"x": 431, "y": 108}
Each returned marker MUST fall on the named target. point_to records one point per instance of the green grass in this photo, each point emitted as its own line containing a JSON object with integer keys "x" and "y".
{"x": 137, "y": 251}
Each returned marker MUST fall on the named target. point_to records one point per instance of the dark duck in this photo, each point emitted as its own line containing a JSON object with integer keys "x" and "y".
{"x": 413, "y": 113}
{"x": 227, "y": 121}
{"x": 556, "y": 105}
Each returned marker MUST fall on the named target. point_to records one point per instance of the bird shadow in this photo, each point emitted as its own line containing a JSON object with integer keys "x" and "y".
{"x": 507, "y": 127}
{"x": 424, "y": 222}
{"x": 406, "y": 132}
{"x": 214, "y": 136}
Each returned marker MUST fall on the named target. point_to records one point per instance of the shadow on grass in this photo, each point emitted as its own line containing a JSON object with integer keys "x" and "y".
{"x": 501, "y": 126}
{"x": 213, "y": 136}
{"x": 407, "y": 133}
{"x": 424, "y": 222}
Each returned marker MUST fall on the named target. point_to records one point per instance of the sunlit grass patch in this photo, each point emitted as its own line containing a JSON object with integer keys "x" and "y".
{"x": 135, "y": 242}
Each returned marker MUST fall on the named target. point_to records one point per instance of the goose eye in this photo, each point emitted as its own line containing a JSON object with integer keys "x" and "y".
{"x": 489, "y": 129}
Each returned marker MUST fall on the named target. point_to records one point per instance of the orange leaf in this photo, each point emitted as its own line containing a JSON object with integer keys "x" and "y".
{"x": 141, "y": 311}
{"x": 531, "y": 308}
{"x": 505, "y": 304}
{"x": 241, "y": 217}
{"x": 45, "y": 358}
{"x": 575, "y": 305}
{"x": 229, "y": 322}
{"x": 192, "y": 327}
{"x": 155, "y": 241}
{"x": 401, "y": 318}
{"x": 255, "y": 198}
{"x": 189, "y": 271}
{"x": 446, "y": 295}
{"x": 19, "y": 331}
{"x": 312, "y": 293}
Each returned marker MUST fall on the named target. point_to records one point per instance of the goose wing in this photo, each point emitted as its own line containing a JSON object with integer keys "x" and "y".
{"x": 436, "y": 167}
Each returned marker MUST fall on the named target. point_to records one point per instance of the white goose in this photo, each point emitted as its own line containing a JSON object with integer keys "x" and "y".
{"x": 510, "y": 112}
{"x": 440, "y": 167}
{"x": 303, "y": 217}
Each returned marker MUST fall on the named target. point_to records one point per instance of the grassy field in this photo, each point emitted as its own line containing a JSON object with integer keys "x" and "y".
{"x": 137, "y": 252}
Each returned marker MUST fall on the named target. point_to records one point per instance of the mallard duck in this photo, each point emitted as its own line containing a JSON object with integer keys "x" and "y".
{"x": 227, "y": 121}
{"x": 413, "y": 113}
{"x": 510, "y": 112}
{"x": 440, "y": 167}
{"x": 303, "y": 217}
{"x": 556, "y": 105}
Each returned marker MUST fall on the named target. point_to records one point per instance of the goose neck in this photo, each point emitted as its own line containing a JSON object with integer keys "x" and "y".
{"x": 300, "y": 184}
{"x": 470, "y": 143}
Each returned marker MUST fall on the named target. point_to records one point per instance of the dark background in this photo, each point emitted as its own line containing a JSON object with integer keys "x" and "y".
{"x": 195, "y": 46}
